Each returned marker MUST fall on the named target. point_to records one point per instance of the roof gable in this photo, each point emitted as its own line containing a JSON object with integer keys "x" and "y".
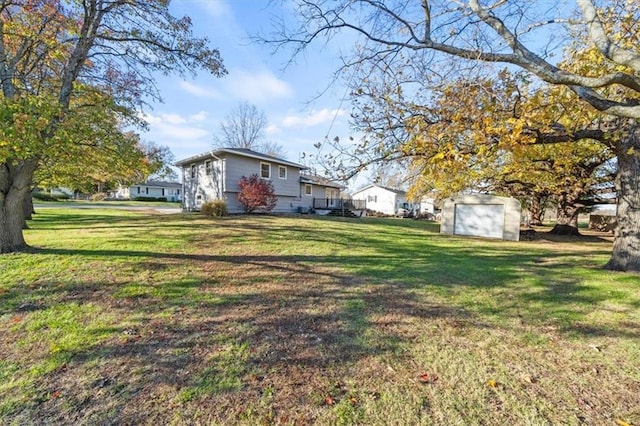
{"x": 159, "y": 184}
{"x": 243, "y": 152}
{"x": 319, "y": 180}
{"x": 373, "y": 185}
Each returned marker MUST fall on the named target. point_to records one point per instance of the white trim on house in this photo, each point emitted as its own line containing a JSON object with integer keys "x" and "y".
{"x": 294, "y": 190}
{"x": 280, "y": 174}
{"x": 263, "y": 163}
{"x": 308, "y": 190}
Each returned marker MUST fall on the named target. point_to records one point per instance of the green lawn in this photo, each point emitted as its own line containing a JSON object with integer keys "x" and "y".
{"x": 111, "y": 203}
{"x": 122, "y": 317}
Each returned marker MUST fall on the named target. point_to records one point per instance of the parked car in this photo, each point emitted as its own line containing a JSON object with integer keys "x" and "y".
{"x": 405, "y": 210}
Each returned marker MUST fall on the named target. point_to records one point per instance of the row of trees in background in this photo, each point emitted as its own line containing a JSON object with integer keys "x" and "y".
{"x": 73, "y": 75}
{"x": 554, "y": 129}
{"x": 127, "y": 162}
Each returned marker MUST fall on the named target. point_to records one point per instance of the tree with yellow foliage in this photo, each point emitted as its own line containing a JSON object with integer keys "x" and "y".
{"x": 524, "y": 34}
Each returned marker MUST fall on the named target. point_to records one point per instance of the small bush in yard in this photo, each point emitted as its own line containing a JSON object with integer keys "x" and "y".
{"x": 143, "y": 198}
{"x": 43, "y": 196}
{"x": 217, "y": 208}
{"x": 256, "y": 194}
{"x": 100, "y": 196}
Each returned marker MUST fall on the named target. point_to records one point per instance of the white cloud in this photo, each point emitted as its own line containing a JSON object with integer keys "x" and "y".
{"x": 217, "y": 9}
{"x": 200, "y": 91}
{"x": 257, "y": 87}
{"x": 272, "y": 129}
{"x": 312, "y": 119}
{"x": 176, "y": 126}
{"x": 182, "y": 132}
{"x": 200, "y": 116}
{"x": 173, "y": 119}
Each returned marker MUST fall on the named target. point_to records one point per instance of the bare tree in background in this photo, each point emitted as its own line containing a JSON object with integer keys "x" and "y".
{"x": 245, "y": 127}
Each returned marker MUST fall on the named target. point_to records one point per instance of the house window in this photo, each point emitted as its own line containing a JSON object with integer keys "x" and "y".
{"x": 282, "y": 172}
{"x": 193, "y": 171}
{"x": 207, "y": 167}
{"x": 138, "y": 189}
{"x": 163, "y": 192}
{"x": 372, "y": 198}
{"x": 146, "y": 190}
{"x": 265, "y": 170}
{"x": 308, "y": 190}
{"x": 177, "y": 192}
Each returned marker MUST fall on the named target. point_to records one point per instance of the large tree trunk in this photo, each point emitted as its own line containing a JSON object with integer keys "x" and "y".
{"x": 626, "y": 244}
{"x": 567, "y": 217}
{"x": 15, "y": 184}
{"x": 536, "y": 210}
{"x": 27, "y": 209}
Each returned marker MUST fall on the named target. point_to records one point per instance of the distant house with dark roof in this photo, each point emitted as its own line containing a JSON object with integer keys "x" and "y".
{"x": 215, "y": 175}
{"x": 171, "y": 191}
{"x": 384, "y": 200}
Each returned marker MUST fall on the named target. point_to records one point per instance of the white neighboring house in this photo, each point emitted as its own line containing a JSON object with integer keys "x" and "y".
{"x": 427, "y": 205}
{"x": 385, "y": 200}
{"x": 215, "y": 175}
{"x": 172, "y": 191}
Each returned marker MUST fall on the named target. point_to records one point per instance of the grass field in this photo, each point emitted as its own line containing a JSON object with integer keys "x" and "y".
{"x": 122, "y": 317}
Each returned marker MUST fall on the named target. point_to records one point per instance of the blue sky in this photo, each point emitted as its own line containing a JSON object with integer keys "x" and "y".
{"x": 299, "y": 101}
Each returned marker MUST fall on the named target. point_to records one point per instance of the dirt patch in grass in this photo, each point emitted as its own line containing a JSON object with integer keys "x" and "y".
{"x": 240, "y": 334}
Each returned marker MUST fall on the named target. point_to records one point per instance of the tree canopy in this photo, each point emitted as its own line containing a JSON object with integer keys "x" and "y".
{"x": 600, "y": 37}
{"x": 71, "y": 73}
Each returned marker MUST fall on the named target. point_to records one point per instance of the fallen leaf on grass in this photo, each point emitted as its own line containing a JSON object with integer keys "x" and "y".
{"x": 492, "y": 383}
{"x": 329, "y": 401}
{"x": 56, "y": 394}
{"x": 426, "y": 378}
{"x": 621, "y": 422}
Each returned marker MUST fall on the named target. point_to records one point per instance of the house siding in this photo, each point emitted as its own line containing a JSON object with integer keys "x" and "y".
{"x": 386, "y": 201}
{"x": 202, "y": 187}
{"x": 171, "y": 193}
{"x": 238, "y": 167}
{"x": 284, "y": 204}
{"x": 223, "y": 183}
{"x": 286, "y": 190}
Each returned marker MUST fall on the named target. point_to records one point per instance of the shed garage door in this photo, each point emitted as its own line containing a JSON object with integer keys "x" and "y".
{"x": 480, "y": 220}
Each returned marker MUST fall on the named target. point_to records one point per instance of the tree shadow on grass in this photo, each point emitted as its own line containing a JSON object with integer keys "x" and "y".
{"x": 508, "y": 283}
{"x": 296, "y": 337}
{"x": 215, "y": 340}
